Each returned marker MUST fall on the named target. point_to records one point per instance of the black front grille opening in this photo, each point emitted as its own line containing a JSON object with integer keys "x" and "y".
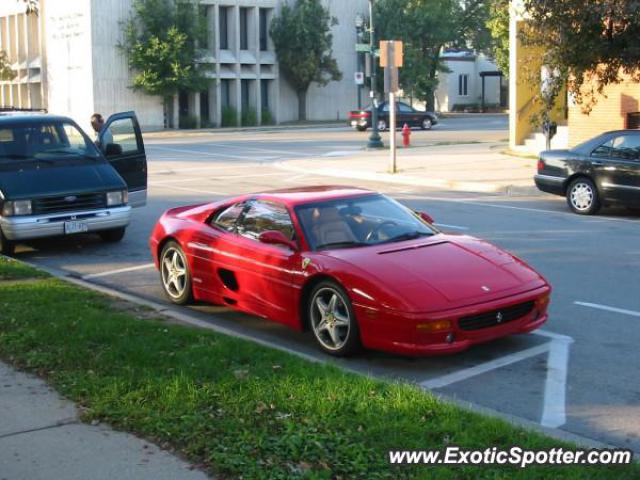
{"x": 68, "y": 203}
{"x": 496, "y": 317}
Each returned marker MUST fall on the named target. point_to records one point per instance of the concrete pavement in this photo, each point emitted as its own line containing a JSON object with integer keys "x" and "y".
{"x": 467, "y": 167}
{"x": 42, "y": 438}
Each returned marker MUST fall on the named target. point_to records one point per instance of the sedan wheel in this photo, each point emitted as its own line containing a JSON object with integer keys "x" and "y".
{"x": 382, "y": 125}
{"x": 426, "y": 124}
{"x": 582, "y": 197}
{"x": 175, "y": 275}
{"x": 332, "y": 320}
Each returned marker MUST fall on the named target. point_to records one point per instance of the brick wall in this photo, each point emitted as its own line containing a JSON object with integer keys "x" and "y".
{"x": 610, "y": 113}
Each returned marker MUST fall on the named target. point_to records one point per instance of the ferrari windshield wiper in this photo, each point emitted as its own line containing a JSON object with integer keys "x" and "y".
{"x": 408, "y": 236}
{"x": 346, "y": 244}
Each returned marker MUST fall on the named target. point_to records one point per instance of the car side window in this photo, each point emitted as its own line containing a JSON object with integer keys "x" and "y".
{"x": 227, "y": 218}
{"x": 626, "y": 147}
{"x": 385, "y": 107}
{"x": 603, "y": 150}
{"x": 265, "y": 216}
{"x": 404, "y": 108}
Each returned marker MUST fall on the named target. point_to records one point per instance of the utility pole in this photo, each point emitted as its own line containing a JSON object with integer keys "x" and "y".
{"x": 374, "y": 139}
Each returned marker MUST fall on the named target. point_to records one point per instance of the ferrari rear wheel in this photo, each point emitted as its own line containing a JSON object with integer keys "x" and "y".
{"x": 175, "y": 275}
{"x": 332, "y": 320}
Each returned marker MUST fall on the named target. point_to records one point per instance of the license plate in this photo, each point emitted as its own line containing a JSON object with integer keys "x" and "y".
{"x": 75, "y": 227}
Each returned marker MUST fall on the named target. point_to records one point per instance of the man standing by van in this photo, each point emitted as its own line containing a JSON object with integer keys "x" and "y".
{"x": 97, "y": 122}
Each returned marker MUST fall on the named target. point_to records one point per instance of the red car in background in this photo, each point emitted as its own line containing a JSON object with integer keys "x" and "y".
{"x": 353, "y": 266}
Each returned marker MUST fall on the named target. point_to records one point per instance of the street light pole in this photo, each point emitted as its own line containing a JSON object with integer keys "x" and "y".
{"x": 374, "y": 139}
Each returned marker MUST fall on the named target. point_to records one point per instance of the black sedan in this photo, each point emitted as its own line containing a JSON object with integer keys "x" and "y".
{"x": 361, "y": 119}
{"x": 602, "y": 171}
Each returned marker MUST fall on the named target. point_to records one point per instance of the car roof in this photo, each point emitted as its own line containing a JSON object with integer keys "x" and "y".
{"x": 24, "y": 118}
{"x": 303, "y": 195}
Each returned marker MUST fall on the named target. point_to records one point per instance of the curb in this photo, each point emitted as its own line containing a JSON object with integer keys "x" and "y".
{"x": 399, "y": 179}
{"x": 187, "y": 319}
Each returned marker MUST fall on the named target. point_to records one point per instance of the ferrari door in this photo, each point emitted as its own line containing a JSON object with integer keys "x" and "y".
{"x": 120, "y": 140}
{"x": 265, "y": 272}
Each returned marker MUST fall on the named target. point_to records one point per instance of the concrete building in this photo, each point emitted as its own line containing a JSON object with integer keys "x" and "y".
{"x": 473, "y": 80}
{"x": 67, "y": 61}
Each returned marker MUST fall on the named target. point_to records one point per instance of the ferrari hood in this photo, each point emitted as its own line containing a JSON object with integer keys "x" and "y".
{"x": 443, "y": 272}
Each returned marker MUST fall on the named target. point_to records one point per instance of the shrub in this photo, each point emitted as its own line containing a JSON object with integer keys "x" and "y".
{"x": 229, "y": 117}
{"x": 249, "y": 118}
{"x": 267, "y": 118}
{"x": 187, "y": 121}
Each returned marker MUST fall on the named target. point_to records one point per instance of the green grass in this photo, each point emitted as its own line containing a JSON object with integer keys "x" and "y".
{"x": 238, "y": 409}
{"x": 13, "y": 270}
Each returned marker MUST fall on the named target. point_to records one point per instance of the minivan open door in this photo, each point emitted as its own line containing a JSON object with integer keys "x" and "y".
{"x": 120, "y": 140}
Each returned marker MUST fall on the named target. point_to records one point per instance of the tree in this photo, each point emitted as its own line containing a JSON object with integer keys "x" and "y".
{"x": 6, "y": 72}
{"x": 160, "y": 42}
{"x": 587, "y": 45}
{"x": 303, "y": 43}
{"x": 426, "y": 27}
{"x": 498, "y": 24}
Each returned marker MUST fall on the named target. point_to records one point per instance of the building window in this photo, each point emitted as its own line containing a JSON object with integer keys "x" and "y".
{"x": 244, "y": 28}
{"x": 463, "y": 81}
{"x": 245, "y": 90}
{"x": 264, "y": 95}
{"x": 223, "y": 17}
{"x": 205, "y": 115}
{"x": 225, "y": 93}
{"x": 264, "y": 29}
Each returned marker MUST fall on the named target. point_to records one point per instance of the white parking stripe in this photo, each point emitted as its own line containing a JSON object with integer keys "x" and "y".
{"x": 185, "y": 189}
{"x": 220, "y": 177}
{"x": 454, "y": 227}
{"x": 120, "y": 270}
{"x": 467, "y": 373}
{"x": 607, "y": 308}
{"x": 555, "y": 387}
{"x": 211, "y": 154}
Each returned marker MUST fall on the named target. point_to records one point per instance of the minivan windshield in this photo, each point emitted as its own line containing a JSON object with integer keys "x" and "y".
{"x": 359, "y": 221}
{"x": 49, "y": 141}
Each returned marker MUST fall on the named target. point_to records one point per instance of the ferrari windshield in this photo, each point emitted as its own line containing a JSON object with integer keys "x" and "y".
{"x": 359, "y": 221}
{"x": 44, "y": 140}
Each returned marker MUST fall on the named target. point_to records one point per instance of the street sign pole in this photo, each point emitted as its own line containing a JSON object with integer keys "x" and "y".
{"x": 374, "y": 139}
{"x": 392, "y": 80}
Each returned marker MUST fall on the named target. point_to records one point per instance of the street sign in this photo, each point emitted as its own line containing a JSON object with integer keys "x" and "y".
{"x": 391, "y": 46}
{"x": 363, "y": 47}
{"x": 359, "y": 78}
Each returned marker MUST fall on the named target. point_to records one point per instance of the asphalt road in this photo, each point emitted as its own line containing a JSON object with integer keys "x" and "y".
{"x": 579, "y": 373}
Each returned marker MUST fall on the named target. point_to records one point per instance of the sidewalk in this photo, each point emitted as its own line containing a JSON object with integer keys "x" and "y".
{"x": 42, "y": 438}
{"x": 195, "y": 132}
{"x": 473, "y": 167}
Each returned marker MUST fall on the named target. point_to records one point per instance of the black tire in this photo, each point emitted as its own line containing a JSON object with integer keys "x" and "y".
{"x": 426, "y": 123}
{"x": 361, "y": 128}
{"x": 112, "y": 235}
{"x": 177, "y": 295}
{"x": 7, "y": 247}
{"x": 583, "y": 197}
{"x": 382, "y": 125}
{"x": 349, "y": 341}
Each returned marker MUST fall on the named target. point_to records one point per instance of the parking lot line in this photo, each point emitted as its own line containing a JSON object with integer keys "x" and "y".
{"x": 185, "y": 189}
{"x": 467, "y": 373}
{"x": 555, "y": 387}
{"x": 212, "y": 154}
{"x": 607, "y": 308}
{"x": 120, "y": 270}
{"x": 454, "y": 227}
{"x": 200, "y": 169}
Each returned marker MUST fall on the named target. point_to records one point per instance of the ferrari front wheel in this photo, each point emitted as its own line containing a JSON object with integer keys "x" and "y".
{"x": 332, "y": 320}
{"x": 175, "y": 275}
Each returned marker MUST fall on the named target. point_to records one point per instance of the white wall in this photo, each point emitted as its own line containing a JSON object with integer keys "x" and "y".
{"x": 69, "y": 76}
{"x": 112, "y": 78}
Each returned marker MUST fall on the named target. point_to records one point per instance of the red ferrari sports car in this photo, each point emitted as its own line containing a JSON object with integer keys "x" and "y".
{"x": 353, "y": 266}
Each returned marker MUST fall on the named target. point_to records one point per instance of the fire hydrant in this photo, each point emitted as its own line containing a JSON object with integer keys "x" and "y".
{"x": 406, "y": 136}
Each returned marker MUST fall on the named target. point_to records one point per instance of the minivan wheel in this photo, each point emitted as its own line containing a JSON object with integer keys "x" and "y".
{"x": 583, "y": 197}
{"x": 7, "y": 247}
{"x": 112, "y": 235}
